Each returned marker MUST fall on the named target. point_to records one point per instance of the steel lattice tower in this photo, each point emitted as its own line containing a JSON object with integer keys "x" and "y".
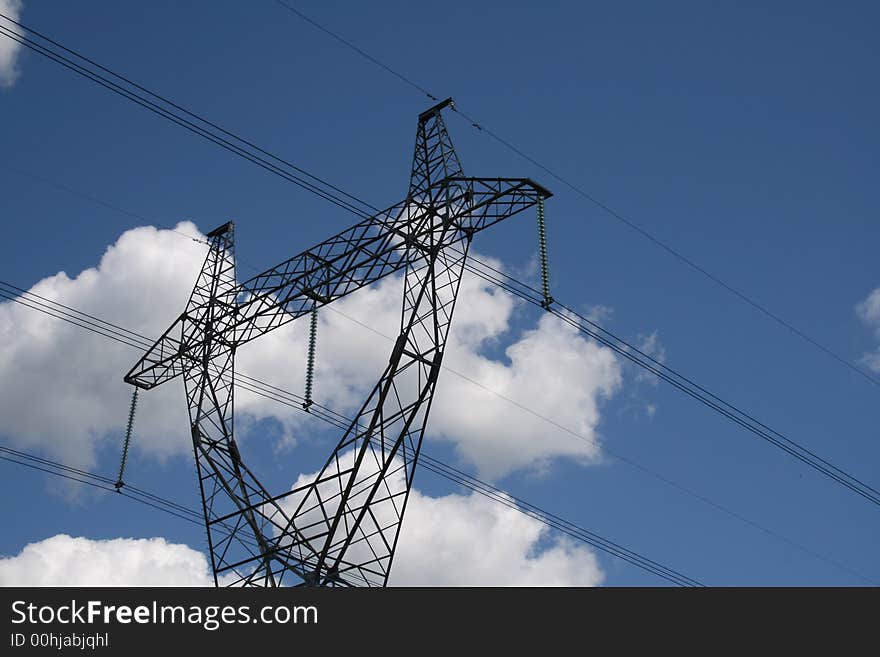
{"x": 342, "y": 528}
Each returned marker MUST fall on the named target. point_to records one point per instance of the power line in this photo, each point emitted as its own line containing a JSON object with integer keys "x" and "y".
{"x": 258, "y": 387}
{"x": 725, "y": 409}
{"x": 513, "y": 286}
{"x": 362, "y": 53}
{"x": 533, "y": 296}
{"x": 103, "y": 483}
{"x": 684, "y": 384}
{"x": 90, "y": 479}
{"x": 478, "y": 486}
{"x": 92, "y": 199}
{"x": 185, "y": 111}
{"x": 274, "y": 393}
{"x": 433, "y": 465}
{"x": 619, "y": 346}
{"x": 202, "y": 130}
{"x": 176, "y": 114}
{"x": 162, "y": 111}
{"x": 326, "y": 194}
{"x": 580, "y": 191}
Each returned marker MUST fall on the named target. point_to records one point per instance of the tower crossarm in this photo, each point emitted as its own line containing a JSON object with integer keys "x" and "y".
{"x": 354, "y": 258}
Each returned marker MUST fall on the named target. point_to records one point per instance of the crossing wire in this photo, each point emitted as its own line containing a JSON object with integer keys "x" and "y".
{"x": 782, "y": 442}
{"x": 580, "y": 191}
{"x": 433, "y": 465}
{"x": 635, "y": 355}
{"x": 104, "y": 483}
{"x": 142, "y": 97}
{"x": 277, "y": 394}
{"x": 697, "y": 392}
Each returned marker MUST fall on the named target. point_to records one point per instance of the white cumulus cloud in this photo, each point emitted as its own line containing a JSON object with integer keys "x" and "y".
{"x": 63, "y": 560}
{"x": 479, "y": 401}
{"x": 9, "y": 49}
{"x": 63, "y": 393}
{"x": 869, "y": 311}
{"x": 551, "y": 371}
{"x": 469, "y": 540}
{"x": 450, "y": 540}
{"x": 62, "y": 388}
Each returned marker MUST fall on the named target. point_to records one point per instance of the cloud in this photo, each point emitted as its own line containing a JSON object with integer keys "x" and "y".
{"x": 869, "y": 312}
{"x": 451, "y": 540}
{"x": 63, "y": 389}
{"x": 9, "y": 49}
{"x": 66, "y": 397}
{"x": 552, "y": 371}
{"x": 469, "y": 540}
{"x": 63, "y": 560}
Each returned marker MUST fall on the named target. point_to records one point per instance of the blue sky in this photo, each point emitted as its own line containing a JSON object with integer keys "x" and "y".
{"x": 740, "y": 134}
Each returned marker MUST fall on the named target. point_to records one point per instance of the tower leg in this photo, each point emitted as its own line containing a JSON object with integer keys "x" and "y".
{"x": 351, "y": 514}
{"x": 236, "y": 525}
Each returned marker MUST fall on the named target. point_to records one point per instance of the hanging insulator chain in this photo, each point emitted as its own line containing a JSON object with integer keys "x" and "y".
{"x": 134, "y": 399}
{"x": 542, "y": 249}
{"x": 310, "y": 361}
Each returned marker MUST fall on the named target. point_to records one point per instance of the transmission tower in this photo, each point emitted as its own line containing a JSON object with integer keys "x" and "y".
{"x": 342, "y": 528}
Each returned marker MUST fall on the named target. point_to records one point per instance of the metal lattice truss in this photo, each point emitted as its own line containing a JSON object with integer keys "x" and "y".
{"x": 341, "y": 528}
